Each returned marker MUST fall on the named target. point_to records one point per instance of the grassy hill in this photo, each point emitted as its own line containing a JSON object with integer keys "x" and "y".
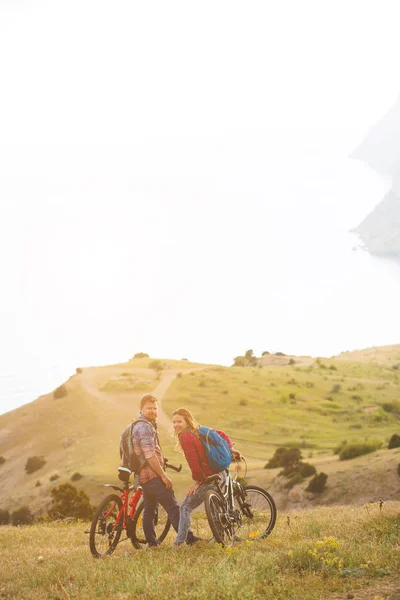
{"x": 313, "y": 404}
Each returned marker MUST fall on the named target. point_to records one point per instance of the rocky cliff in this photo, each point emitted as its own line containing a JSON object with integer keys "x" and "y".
{"x": 380, "y": 230}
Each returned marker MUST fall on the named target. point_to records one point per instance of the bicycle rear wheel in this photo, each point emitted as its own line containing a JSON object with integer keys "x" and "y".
{"x": 106, "y": 530}
{"x": 218, "y": 517}
{"x": 258, "y": 513}
{"x": 161, "y": 526}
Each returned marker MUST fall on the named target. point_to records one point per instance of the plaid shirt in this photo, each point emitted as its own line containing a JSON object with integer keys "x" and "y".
{"x": 146, "y": 444}
{"x": 196, "y": 456}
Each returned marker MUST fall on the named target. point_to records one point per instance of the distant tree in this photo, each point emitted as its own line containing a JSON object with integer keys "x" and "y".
{"x": 76, "y": 476}
{"x": 79, "y": 370}
{"x": 280, "y": 354}
{"x": 265, "y": 353}
{"x": 61, "y": 391}
{"x": 22, "y": 516}
{"x": 4, "y": 517}
{"x": 34, "y": 463}
{"x": 69, "y": 502}
{"x": 292, "y": 361}
{"x": 249, "y": 354}
{"x": 394, "y": 441}
{"x": 141, "y": 355}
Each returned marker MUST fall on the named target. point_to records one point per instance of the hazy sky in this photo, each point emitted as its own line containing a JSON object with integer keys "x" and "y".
{"x": 152, "y": 154}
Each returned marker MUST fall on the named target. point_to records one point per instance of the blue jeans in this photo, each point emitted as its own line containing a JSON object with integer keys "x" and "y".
{"x": 189, "y": 504}
{"x": 155, "y": 492}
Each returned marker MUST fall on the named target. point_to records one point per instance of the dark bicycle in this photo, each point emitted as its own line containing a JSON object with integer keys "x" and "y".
{"x": 117, "y": 514}
{"x": 236, "y": 512}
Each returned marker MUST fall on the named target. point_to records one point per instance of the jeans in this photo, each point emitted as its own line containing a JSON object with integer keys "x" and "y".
{"x": 189, "y": 504}
{"x": 155, "y": 492}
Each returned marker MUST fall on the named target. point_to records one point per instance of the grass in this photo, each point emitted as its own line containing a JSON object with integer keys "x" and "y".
{"x": 310, "y": 555}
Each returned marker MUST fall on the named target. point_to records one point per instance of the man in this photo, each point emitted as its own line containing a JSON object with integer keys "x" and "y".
{"x": 157, "y": 486}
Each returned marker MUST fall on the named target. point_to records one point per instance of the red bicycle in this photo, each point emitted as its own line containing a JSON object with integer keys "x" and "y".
{"x": 116, "y": 514}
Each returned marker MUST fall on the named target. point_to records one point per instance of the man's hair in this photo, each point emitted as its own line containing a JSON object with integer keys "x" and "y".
{"x": 148, "y": 399}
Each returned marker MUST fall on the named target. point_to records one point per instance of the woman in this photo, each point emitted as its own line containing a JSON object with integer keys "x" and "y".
{"x": 186, "y": 428}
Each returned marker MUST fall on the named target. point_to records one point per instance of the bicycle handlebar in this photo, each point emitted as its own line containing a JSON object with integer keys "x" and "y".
{"x": 168, "y": 466}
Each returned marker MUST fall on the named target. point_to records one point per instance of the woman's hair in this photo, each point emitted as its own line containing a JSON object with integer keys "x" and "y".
{"x": 190, "y": 420}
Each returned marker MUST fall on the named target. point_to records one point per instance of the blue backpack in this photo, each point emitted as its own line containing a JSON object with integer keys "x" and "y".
{"x": 218, "y": 453}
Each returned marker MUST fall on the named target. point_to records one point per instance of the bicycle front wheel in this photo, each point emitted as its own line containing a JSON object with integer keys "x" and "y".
{"x": 161, "y": 526}
{"x": 106, "y": 528}
{"x": 218, "y": 517}
{"x": 258, "y": 513}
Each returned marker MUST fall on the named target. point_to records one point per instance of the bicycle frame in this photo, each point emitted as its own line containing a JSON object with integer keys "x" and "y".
{"x": 133, "y": 502}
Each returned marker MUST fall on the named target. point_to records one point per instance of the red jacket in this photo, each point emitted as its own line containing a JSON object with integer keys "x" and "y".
{"x": 195, "y": 454}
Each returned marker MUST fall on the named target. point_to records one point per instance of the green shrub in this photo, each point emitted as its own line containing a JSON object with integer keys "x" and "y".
{"x": 141, "y": 355}
{"x": 336, "y": 388}
{"x": 243, "y": 402}
{"x": 2, "y": 460}
{"x": 275, "y": 461}
{"x": 157, "y": 365}
{"x": 280, "y": 354}
{"x": 352, "y": 450}
{"x": 4, "y": 517}
{"x": 34, "y": 463}
{"x": 69, "y": 502}
{"x": 22, "y": 516}
{"x": 54, "y": 477}
{"x": 240, "y": 361}
{"x": 179, "y": 375}
{"x": 394, "y": 441}
{"x": 61, "y": 391}
{"x": 306, "y": 470}
{"x": 76, "y": 476}
{"x": 292, "y": 361}
{"x": 294, "y": 480}
{"x": 339, "y": 447}
{"x": 265, "y": 353}
{"x": 391, "y": 407}
{"x": 333, "y": 367}
{"x": 292, "y": 396}
{"x": 395, "y": 367}
{"x": 317, "y": 484}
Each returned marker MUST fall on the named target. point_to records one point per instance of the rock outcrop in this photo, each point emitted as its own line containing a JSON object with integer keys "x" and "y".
{"x": 380, "y": 230}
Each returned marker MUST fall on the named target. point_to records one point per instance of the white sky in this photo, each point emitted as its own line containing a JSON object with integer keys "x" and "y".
{"x": 136, "y": 140}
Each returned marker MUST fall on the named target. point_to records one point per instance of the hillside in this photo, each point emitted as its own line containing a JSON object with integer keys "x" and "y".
{"x": 313, "y": 404}
{"x": 380, "y": 230}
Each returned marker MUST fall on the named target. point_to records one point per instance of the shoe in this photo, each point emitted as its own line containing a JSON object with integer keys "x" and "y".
{"x": 193, "y": 540}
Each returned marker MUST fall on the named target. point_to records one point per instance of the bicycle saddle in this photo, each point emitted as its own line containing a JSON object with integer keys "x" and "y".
{"x": 124, "y": 474}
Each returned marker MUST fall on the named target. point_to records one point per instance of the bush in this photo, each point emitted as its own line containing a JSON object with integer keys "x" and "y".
{"x": 61, "y": 391}
{"x": 141, "y": 355}
{"x": 69, "y": 502}
{"x": 179, "y": 375}
{"x": 306, "y": 470}
{"x": 22, "y": 516}
{"x": 4, "y": 517}
{"x": 280, "y": 354}
{"x": 350, "y": 451}
{"x": 54, "y": 477}
{"x": 394, "y": 441}
{"x": 336, "y": 388}
{"x": 275, "y": 461}
{"x": 292, "y": 361}
{"x": 339, "y": 447}
{"x": 76, "y": 476}
{"x": 38, "y": 484}
{"x": 391, "y": 407}
{"x": 34, "y": 463}
{"x": 265, "y": 353}
{"x": 294, "y": 480}
{"x": 243, "y": 402}
{"x": 2, "y": 460}
{"x": 317, "y": 484}
{"x": 157, "y": 365}
{"x": 79, "y": 370}
{"x": 240, "y": 361}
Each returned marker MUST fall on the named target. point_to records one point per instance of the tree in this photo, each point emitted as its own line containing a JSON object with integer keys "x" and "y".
{"x": 394, "y": 441}
{"x": 157, "y": 365}
{"x": 240, "y": 361}
{"x": 140, "y": 355}
{"x": 69, "y": 502}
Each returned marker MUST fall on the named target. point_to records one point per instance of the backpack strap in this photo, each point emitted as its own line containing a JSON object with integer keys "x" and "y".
{"x": 197, "y": 436}
{"x": 153, "y": 429}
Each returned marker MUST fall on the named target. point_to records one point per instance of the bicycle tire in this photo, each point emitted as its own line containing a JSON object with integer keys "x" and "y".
{"x": 216, "y": 511}
{"x": 259, "y": 517}
{"x": 105, "y": 533}
{"x": 161, "y": 528}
